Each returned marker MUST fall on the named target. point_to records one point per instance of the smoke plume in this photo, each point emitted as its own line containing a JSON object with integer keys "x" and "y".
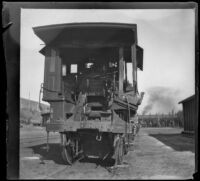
{"x": 161, "y": 99}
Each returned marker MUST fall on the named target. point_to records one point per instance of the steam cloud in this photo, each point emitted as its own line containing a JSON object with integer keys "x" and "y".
{"x": 162, "y": 98}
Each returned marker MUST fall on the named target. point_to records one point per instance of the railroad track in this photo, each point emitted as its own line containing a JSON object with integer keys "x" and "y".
{"x": 112, "y": 170}
{"x": 35, "y": 140}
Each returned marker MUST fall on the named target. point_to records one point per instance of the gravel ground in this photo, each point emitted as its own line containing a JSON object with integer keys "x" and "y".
{"x": 157, "y": 153}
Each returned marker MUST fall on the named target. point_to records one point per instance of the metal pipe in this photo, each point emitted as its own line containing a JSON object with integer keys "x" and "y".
{"x": 39, "y": 104}
{"x": 47, "y": 141}
{"x": 76, "y": 147}
{"x": 134, "y": 67}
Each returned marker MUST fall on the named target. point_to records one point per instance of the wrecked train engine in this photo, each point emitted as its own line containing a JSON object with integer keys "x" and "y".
{"x": 92, "y": 103}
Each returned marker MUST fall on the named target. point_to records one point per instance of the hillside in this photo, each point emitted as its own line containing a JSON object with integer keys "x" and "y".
{"x": 32, "y": 105}
{"x": 29, "y": 110}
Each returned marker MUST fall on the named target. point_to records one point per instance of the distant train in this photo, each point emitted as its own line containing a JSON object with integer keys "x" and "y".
{"x": 92, "y": 104}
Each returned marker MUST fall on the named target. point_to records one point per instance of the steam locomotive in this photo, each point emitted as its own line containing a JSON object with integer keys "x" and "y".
{"x": 92, "y": 103}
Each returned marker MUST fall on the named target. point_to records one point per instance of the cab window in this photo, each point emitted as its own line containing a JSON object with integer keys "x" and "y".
{"x": 73, "y": 68}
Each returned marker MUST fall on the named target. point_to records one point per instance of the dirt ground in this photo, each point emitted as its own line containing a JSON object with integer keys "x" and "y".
{"x": 157, "y": 153}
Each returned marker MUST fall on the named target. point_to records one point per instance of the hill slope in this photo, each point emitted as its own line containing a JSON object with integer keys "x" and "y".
{"x": 29, "y": 110}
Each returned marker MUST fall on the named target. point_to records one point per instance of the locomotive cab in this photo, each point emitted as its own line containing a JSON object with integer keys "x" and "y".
{"x": 86, "y": 84}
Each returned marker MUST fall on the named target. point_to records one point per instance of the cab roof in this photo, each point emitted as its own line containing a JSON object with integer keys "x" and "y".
{"x": 83, "y": 35}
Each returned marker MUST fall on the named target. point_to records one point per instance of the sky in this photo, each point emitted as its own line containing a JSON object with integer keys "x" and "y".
{"x": 167, "y": 37}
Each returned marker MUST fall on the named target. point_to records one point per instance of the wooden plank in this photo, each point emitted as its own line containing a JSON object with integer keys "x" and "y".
{"x": 58, "y": 72}
{"x": 52, "y": 75}
{"x": 121, "y": 69}
{"x": 139, "y": 57}
{"x": 126, "y": 78}
{"x": 46, "y": 68}
{"x": 134, "y": 64}
{"x": 94, "y": 44}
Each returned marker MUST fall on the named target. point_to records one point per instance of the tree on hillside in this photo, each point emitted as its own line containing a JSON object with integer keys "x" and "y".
{"x": 25, "y": 114}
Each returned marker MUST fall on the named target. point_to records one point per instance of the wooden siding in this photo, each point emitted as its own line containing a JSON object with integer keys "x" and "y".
{"x": 121, "y": 69}
{"x": 134, "y": 64}
{"x": 189, "y": 115}
{"x": 52, "y": 75}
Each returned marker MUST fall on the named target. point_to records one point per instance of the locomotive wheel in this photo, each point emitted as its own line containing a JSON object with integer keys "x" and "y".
{"x": 119, "y": 151}
{"x": 67, "y": 154}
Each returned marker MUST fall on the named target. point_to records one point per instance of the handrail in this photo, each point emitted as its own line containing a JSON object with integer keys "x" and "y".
{"x": 39, "y": 105}
{"x": 128, "y": 116}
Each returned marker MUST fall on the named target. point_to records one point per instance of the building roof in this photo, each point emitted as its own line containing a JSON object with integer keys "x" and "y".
{"x": 187, "y": 99}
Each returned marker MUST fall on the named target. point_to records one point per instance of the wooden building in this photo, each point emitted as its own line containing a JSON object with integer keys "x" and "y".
{"x": 188, "y": 114}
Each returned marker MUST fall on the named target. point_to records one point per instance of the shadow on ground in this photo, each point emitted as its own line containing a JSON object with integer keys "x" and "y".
{"x": 99, "y": 162}
{"x": 54, "y": 154}
{"x": 178, "y": 142}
